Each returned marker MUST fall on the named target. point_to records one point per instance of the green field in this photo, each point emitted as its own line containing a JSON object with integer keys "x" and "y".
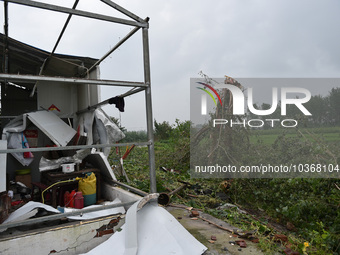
{"x": 317, "y": 135}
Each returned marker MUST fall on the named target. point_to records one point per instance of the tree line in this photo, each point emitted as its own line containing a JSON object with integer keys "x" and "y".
{"x": 325, "y": 110}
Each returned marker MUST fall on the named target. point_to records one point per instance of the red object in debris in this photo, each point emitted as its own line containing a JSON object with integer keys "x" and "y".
{"x": 71, "y": 198}
{"x": 280, "y": 237}
{"x": 241, "y": 243}
{"x": 66, "y": 198}
{"x": 127, "y": 152}
{"x": 289, "y": 251}
{"x": 194, "y": 213}
{"x": 15, "y": 203}
{"x": 79, "y": 200}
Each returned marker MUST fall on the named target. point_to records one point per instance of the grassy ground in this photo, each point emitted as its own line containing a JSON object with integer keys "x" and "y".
{"x": 306, "y": 211}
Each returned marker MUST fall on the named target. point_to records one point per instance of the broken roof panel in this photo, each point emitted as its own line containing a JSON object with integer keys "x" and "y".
{"x": 26, "y": 59}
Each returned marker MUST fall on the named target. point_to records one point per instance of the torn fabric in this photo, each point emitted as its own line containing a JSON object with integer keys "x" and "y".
{"x": 99, "y": 129}
{"x": 118, "y": 102}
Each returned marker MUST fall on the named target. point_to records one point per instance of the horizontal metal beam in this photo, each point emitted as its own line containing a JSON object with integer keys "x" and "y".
{"x": 78, "y": 12}
{"x": 34, "y": 78}
{"x": 122, "y": 10}
{"x": 131, "y": 92}
{"x": 74, "y": 147}
{"x": 62, "y": 215}
{"x": 130, "y": 188}
{"x": 107, "y": 101}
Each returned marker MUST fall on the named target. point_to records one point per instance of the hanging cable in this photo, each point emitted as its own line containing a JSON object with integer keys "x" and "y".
{"x": 42, "y": 193}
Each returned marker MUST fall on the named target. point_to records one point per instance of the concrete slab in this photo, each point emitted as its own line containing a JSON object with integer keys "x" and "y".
{"x": 203, "y": 231}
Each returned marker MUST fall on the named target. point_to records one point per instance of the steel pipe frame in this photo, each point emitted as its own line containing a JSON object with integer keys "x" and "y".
{"x": 64, "y": 28}
{"x": 131, "y": 33}
{"x": 149, "y": 117}
{"x": 146, "y": 60}
{"x": 74, "y": 147}
{"x": 128, "y": 93}
{"x": 123, "y": 10}
{"x": 62, "y": 215}
{"x": 57, "y": 8}
{"x": 30, "y": 78}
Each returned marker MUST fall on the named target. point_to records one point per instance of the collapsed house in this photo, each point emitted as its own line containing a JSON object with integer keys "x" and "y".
{"x": 55, "y": 136}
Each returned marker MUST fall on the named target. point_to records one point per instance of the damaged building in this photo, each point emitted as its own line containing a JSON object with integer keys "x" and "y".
{"x": 55, "y": 179}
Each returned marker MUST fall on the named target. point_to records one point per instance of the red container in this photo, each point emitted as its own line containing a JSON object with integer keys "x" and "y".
{"x": 66, "y": 198}
{"x": 79, "y": 200}
{"x": 71, "y": 198}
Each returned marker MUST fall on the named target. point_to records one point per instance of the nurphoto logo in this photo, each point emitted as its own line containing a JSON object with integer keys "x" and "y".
{"x": 264, "y": 127}
{"x": 239, "y": 107}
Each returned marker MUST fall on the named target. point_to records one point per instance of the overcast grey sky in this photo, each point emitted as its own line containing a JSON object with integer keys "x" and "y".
{"x": 250, "y": 38}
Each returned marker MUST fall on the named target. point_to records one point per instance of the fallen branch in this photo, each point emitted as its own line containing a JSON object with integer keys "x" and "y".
{"x": 194, "y": 196}
{"x": 216, "y": 225}
{"x": 174, "y": 194}
{"x": 337, "y": 186}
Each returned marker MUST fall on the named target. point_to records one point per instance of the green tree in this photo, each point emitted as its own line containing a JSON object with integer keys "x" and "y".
{"x": 162, "y": 130}
{"x": 318, "y": 107}
{"x": 334, "y": 104}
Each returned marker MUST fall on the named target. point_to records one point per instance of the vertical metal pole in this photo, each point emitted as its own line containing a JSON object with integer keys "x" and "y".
{"x": 149, "y": 118}
{"x": 6, "y": 38}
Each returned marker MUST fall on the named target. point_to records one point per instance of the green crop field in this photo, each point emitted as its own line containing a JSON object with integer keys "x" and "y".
{"x": 317, "y": 135}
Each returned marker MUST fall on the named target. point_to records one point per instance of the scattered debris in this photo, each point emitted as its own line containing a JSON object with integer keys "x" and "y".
{"x": 225, "y": 249}
{"x": 164, "y": 198}
{"x": 289, "y": 251}
{"x": 213, "y": 238}
{"x": 254, "y": 240}
{"x": 228, "y": 206}
{"x": 194, "y": 213}
{"x": 164, "y": 169}
{"x": 281, "y": 238}
{"x": 246, "y": 234}
{"x": 241, "y": 243}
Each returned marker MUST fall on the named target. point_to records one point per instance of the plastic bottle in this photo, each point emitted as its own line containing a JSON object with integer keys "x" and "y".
{"x": 79, "y": 200}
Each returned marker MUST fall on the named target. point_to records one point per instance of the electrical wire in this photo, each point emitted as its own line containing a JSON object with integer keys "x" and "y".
{"x": 42, "y": 193}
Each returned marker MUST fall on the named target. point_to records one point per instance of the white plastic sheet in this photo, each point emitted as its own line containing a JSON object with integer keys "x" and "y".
{"x": 27, "y": 211}
{"x": 31, "y": 208}
{"x": 156, "y": 232}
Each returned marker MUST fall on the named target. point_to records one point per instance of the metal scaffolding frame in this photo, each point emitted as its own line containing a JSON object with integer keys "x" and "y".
{"x": 137, "y": 23}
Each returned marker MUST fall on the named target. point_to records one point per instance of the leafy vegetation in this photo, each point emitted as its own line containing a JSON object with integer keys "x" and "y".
{"x": 311, "y": 206}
